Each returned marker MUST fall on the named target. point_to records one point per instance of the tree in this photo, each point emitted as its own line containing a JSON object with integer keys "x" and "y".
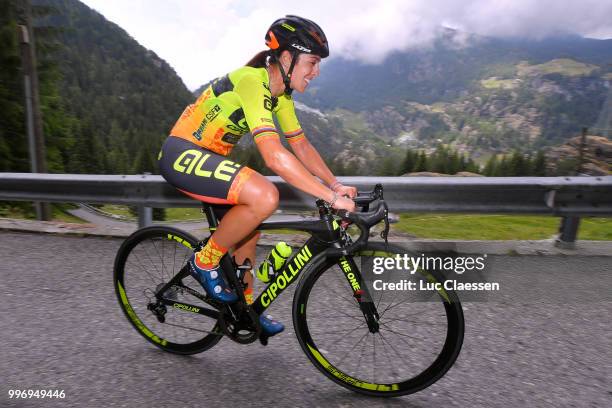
{"x": 422, "y": 163}
{"x": 490, "y": 168}
{"x": 409, "y": 162}
{"x": 388, "y": 167}
{"x": 518, "y": 165}
{"x": 13, "y": 142}
{"x": 503, "y": 169}
{"x": 539, "y": 165}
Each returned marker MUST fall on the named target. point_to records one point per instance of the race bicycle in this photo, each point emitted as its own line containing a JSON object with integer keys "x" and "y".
{"x": 376, "y": 342}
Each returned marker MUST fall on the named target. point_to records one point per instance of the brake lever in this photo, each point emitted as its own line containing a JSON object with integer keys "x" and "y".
{"x": 384, "y": 234}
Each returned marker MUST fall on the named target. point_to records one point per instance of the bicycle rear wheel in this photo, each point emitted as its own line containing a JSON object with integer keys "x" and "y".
{"x": 146, "y": 261}
{"x": 419, "y": 337}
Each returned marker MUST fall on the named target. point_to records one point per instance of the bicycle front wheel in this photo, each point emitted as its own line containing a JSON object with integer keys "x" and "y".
{"x": 146, "y": 261}
{"x": 418, "y": 339}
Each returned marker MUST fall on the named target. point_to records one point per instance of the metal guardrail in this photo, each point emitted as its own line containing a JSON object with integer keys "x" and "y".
{"x": 568, "y": 197}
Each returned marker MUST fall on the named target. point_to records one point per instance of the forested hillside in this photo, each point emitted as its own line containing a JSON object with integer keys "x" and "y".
{"x": 108, "y": 103}
{"x": 57, "y": 122}
{"x": 481, "y": 95}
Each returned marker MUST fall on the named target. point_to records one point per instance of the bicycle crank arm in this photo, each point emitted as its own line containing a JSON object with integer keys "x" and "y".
{"x": 187, "y": 307}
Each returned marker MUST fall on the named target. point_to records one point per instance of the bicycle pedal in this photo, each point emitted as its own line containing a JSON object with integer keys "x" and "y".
{"x": 246, "y": 265}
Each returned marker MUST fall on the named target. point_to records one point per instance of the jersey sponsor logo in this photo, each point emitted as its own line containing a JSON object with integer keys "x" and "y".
{"x": 239, "y": 123}
{"x": 210, "y": 115}
{"x": 230, "y": 137}
{"x": 267, "y": 103}
{"x": 192, "y": 161}
{"x": 300, "y": 47}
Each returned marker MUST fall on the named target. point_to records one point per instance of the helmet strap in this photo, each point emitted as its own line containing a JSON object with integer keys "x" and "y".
{"x": 287, "y": 76}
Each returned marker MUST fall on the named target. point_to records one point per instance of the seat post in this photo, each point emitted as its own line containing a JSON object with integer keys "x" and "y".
{"x": 210, "y": 215}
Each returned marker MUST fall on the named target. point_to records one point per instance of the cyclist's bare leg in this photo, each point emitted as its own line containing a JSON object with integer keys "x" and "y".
{"x": 257, "y": 200}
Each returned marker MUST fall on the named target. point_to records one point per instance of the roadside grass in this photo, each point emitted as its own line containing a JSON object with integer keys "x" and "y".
{"x": 184, "y": 214}
{"x": 60, "y": 214}
{"x": 25, "y": 210}
{"x": 172, "y": 214}
{"x": 436, "y": 226}
{"x": 496, "y": 227}
{"x": 121, "y": 210}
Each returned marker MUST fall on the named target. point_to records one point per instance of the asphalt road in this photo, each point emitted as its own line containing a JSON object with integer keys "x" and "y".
{"x": 544, "y": 340}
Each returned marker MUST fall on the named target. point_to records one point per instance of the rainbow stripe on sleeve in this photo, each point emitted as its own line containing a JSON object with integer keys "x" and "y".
{"x": 295, "y": 136}
{"x": 263, "y": 133}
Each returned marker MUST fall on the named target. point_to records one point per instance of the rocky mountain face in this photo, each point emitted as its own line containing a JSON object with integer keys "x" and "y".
{"x": 484, "y": 97}
{"x": 596, "y": 156}
{"x": 530, "y": 107}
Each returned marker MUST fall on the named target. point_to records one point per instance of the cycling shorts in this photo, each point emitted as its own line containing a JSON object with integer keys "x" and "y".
{"x": 200, "y": 173}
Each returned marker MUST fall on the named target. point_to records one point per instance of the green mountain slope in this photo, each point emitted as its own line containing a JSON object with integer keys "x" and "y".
{"x": 482, "y": 95}
{"x": 493, "y": 96}
{"x": 124, "y": 97}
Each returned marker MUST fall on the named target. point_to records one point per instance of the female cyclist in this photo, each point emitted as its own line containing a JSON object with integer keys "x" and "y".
{"x": 193, "y": 156}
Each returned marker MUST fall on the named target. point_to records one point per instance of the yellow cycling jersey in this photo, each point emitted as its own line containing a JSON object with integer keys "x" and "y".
{"x": 233, "y": 105}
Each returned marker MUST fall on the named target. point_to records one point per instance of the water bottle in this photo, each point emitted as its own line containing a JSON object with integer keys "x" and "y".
{"x": 274, "y": 262}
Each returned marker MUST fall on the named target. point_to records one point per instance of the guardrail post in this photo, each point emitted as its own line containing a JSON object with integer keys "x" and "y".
{"x": 568, "y": 230}
{"x": 145, "y": 216}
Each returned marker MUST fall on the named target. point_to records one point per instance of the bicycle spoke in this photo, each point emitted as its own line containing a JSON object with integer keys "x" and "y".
{"x": 138, "y": 264}
{"x": 161, "y": 258}
{"x": 146, "y": 264}
{"x": 345, "y": 314}
{"x": 398, "y": 333}
{"x": 191, "y": 328}
{"x": 153, "y": 263}
{"x": 363, "y": 347}
{"x": 374, "y": 358}
{"x": 343, "y": 331}
{"x": 394, "y": 306}
{"x": 408, "y": 321}
{"x": 345, "y": 334}
{"x": 174, "y": 261}
{"x": 350, "y": 301}
{"x": 390, "y": 303}
{"x": 397, "y": 353}
{"x": 391, "y": 363}
{"x": 351, "y": 348}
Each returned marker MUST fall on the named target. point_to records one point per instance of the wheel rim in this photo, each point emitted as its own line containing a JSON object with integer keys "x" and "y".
{"x": 147, "y": 265}
{"x": 416, "y": 344}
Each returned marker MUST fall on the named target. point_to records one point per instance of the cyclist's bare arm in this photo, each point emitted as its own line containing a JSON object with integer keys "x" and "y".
{"x": 286, "y": 165}
{"x": 311, "y": 159}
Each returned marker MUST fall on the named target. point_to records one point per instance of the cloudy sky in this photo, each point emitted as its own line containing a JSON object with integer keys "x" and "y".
{"x": 203, "y": 39}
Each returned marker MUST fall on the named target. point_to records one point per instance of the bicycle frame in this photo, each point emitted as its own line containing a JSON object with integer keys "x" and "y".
{"x": 325, "y": 234}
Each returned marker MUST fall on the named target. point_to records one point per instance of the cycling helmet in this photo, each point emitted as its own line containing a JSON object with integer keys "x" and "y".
{"x": 296, "y": 35}
{"x": 299, "y": 34}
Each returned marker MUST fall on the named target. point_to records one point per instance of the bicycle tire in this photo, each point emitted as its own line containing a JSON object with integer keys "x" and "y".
{"x": 143, "y": 264}
{"x": 320, "y": 311}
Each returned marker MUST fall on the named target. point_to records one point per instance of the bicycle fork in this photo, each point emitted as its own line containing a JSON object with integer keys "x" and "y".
{"x": 360, "y": 292}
